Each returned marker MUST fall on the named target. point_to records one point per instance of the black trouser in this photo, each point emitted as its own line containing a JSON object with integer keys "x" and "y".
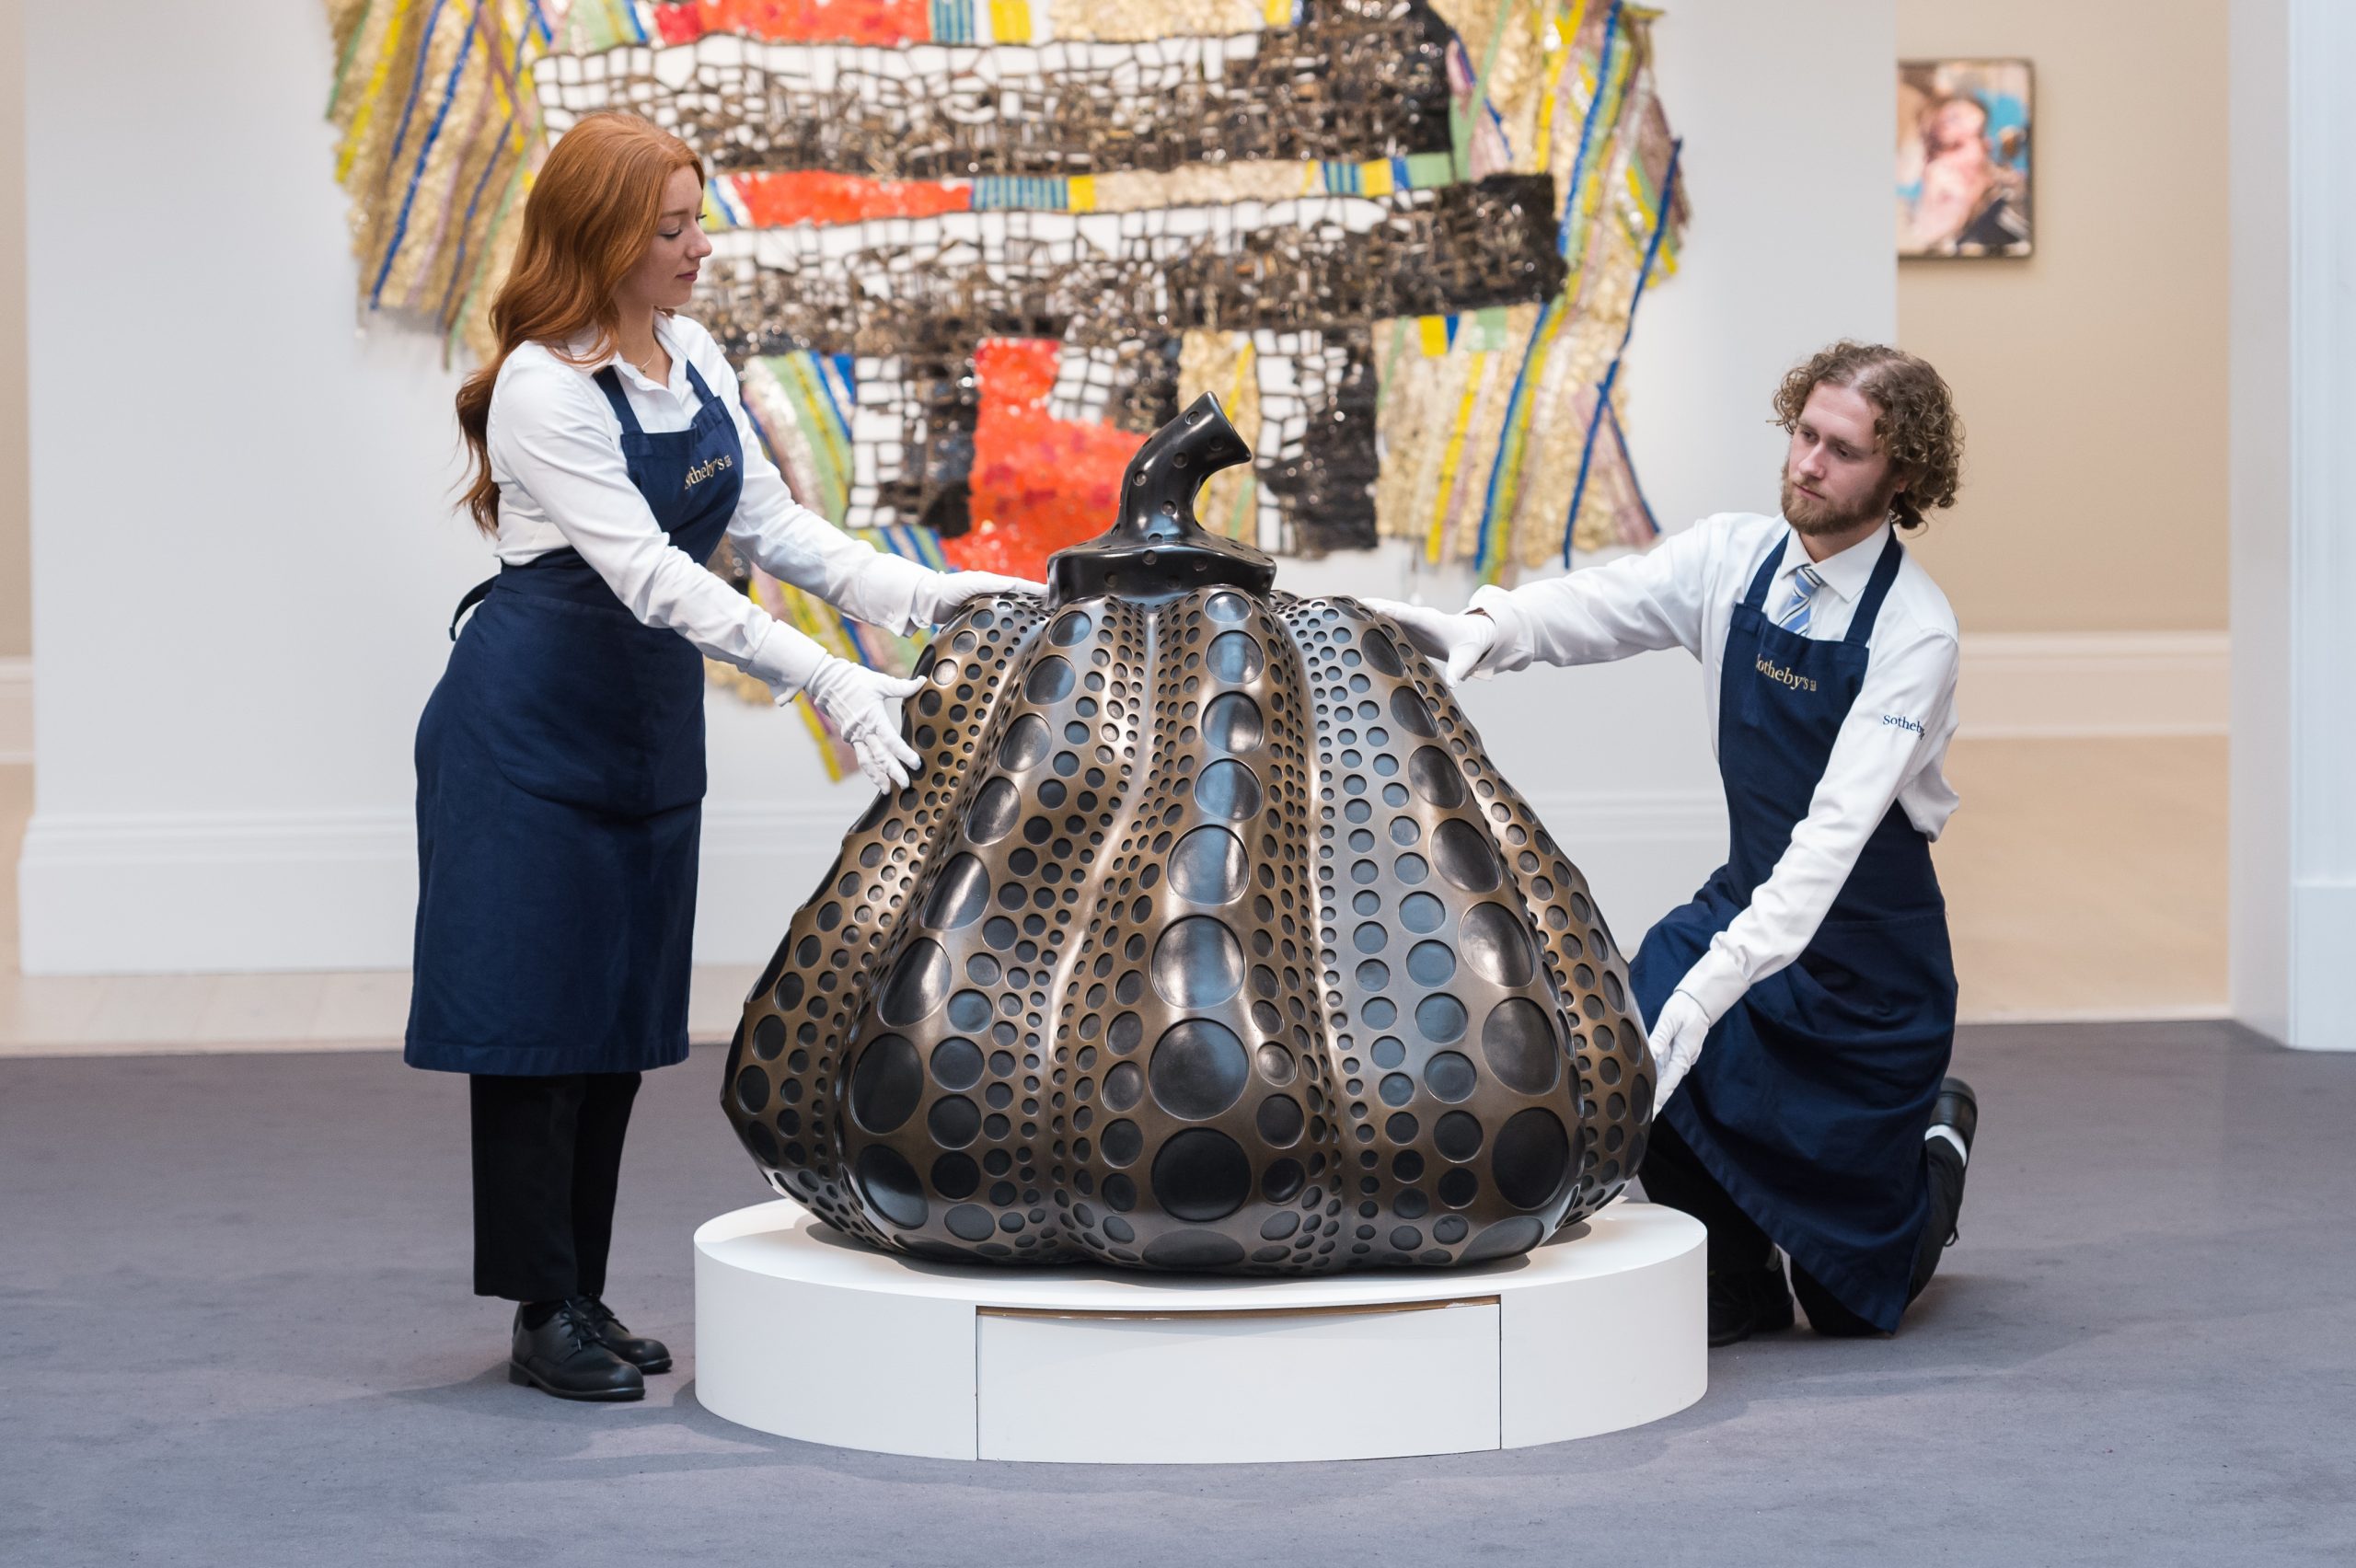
{"x": 547, "y": 1153}
{"x": 1675, "y": 1177}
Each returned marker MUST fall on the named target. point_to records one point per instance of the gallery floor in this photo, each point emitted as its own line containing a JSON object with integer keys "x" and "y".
{"x": 238, "y": 1332}
{"x": 235, "y": 1298}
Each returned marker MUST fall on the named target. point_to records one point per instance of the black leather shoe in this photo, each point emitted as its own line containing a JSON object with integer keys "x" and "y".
{"x": 564, "y": 1357}
{"x": 1958, "y": 1108}
{"x": 1752, "y": 1301}
{"x": 1958, "y": 1111}
{"x": 646, "y": 1354}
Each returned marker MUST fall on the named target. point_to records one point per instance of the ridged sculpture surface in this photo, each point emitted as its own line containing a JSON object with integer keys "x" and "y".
{"x": 1206, "y": 937}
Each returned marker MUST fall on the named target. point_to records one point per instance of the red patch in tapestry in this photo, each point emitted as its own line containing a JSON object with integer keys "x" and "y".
{"x": 1039, "y": 483}
{"x": 817, "y": 196}
{"x": 797, "y": 21}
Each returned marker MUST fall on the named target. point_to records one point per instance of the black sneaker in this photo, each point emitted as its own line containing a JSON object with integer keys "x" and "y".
{"x": 646, "y": 1354}
{"x": 565, "y": 1357}
{"x": 1748, "y": 1302}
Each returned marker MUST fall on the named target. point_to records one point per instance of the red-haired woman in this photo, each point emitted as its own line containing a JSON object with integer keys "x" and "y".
{"x": 560, "y": 761}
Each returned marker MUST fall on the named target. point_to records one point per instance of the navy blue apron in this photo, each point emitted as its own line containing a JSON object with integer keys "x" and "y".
{"x": 559, "y": 790}
{"x": 1810, "y": 1098}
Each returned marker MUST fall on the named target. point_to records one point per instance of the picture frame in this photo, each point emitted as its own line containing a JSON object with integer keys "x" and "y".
{"x": 1964, "y": 131}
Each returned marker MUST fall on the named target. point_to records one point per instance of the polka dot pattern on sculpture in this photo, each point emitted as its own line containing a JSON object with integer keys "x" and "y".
{"x": 1204, "y": 938}
{"x": 1199, "y": 1069}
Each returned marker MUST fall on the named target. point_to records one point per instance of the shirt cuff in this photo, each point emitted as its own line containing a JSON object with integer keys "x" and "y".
{"x": 1716, "y": 983}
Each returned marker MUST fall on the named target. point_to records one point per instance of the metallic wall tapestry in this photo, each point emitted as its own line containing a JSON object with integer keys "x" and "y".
{"x": 972, "y": 251}
{"x": 1206, "y": 937}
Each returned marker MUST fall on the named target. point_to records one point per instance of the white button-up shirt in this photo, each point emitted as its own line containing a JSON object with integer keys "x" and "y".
{"x": 556, "y": 456}
{"x": 1893, "y": 746}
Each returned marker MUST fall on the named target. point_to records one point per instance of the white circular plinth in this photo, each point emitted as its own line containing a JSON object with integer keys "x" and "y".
{"x": 807, "y": 1333}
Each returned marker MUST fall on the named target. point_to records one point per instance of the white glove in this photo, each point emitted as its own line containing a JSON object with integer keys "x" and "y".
{"x": 1677, "y": 1037}
{"x": 1463, "y": 642}
{"x": 864, "y": 705}
{"x": 942, "y": 593}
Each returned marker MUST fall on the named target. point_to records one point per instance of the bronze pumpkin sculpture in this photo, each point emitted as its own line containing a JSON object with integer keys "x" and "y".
{"x": 1205, "y": 938}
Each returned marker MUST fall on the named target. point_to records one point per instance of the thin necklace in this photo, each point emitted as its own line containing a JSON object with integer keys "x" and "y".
{"x": 639, "y": 365}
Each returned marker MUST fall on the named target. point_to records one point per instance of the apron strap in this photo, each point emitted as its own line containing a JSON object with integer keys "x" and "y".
{"x": 1861, "y": 624}
{"x": 611, "y": 384}
{"x": 474, "y": 596}
{"x": 1757, "y": 597}
{"x": 703, "y": 393}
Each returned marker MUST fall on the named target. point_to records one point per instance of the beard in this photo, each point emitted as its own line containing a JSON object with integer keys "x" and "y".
{"x": 1812, "y": 517}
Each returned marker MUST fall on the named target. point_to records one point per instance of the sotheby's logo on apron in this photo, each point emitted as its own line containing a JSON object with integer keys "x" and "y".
{"x": 1783, "y": 677}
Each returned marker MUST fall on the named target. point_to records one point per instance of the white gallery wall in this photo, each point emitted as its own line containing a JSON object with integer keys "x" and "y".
{"x": 243, "y": 556}
{"x": 2292, "y": 912}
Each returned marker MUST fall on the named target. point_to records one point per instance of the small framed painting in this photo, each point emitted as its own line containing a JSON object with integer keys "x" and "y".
{"x": 1963, "y": 158}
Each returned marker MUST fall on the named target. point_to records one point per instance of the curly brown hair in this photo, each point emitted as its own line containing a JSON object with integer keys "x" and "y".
{"x": 1918, "y": 426}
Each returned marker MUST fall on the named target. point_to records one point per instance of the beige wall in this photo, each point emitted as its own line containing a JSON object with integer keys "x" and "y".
{"x": 16, "y": 563}
{"x": 2091, "y": 375}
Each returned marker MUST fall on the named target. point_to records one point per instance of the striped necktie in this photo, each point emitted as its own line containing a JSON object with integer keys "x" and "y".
{"x": 1795, "y": 617}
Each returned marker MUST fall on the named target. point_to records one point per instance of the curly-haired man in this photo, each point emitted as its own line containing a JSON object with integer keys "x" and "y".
{"x": 1814, "y": 964}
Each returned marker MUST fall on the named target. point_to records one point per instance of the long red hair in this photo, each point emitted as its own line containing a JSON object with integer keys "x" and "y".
{"x": 590, "y": 217}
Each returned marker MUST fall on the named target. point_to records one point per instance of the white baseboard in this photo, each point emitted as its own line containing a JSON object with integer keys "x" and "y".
{"x": 16, "y": 709}
{"x": 215, "y": 894}
{"x": 2102, "y": 684}
{"x": 2187, "y": 1013}
{"x": 337, "y": 890}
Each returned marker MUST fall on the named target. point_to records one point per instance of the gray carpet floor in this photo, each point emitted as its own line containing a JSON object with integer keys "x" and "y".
{"x": 235, "y": 1328}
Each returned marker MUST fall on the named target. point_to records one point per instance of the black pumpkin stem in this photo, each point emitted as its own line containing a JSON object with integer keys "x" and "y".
{"x": 1154, "y": 549}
